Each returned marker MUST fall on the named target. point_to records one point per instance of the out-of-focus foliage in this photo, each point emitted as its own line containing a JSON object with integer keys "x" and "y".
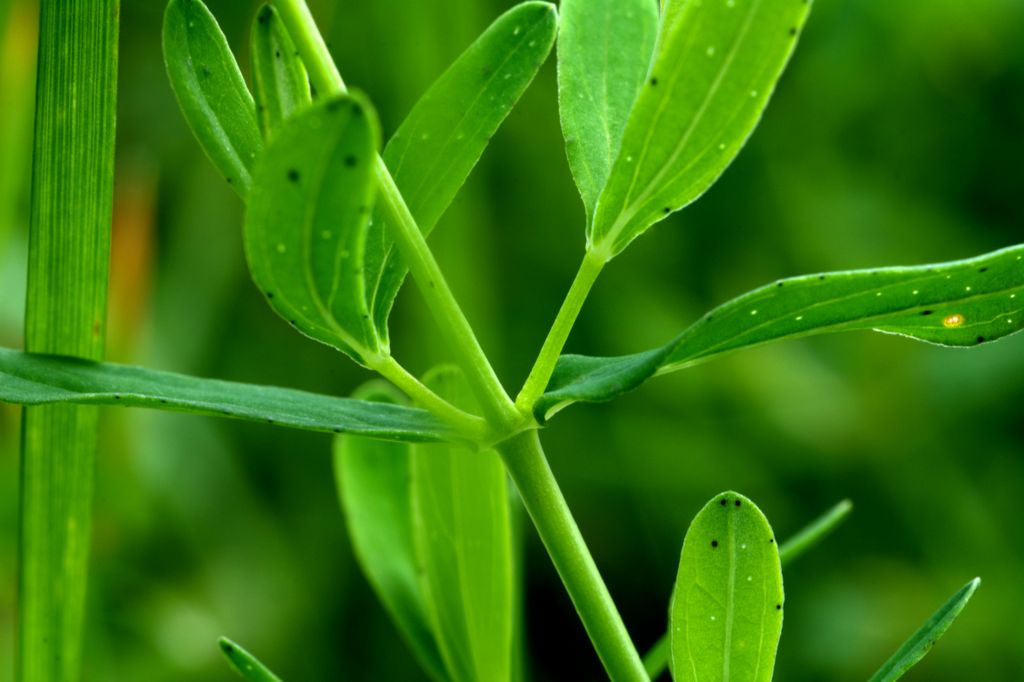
{"x": 893, "y": 138}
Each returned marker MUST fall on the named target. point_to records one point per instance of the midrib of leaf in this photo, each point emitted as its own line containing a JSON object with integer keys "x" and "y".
{"x": 631, "y": 207}
{"x": 730, "y": 593}
{"x": 411, "y": 195}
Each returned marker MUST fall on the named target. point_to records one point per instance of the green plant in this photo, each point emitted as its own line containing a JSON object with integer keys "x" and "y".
{"x": 331, "y": 228}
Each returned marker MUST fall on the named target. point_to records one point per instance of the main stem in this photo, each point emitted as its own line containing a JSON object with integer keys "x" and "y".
{"x": 324, "y": 75}
{"x": 524, "y": 458}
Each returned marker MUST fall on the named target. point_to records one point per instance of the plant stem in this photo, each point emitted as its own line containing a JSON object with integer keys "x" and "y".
{"x": 324, "y": 75}
{"x": 524, "y": 458}
{"x": 472, "y": 426}
{"x": 69, "y": 253}
{"x": 544, "y": 366}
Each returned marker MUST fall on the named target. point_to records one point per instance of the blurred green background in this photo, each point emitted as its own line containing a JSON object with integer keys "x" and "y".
{"x": 894, "y": 138}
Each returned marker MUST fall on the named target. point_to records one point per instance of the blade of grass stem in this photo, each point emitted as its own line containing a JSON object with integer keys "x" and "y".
{"x": 69, "y": 252}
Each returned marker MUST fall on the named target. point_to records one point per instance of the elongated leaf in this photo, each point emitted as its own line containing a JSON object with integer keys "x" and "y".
{"x": 462, "y": 531}
{"x": 445, "y": 134}
{"x": 922, "y": 641}
{"x": 245, "y": 664}
{"x": 963, "y": 304}
{"x": 604, "y": 52}
{"x": 726, "y": 612}
{"x": 714, "y": 71}
{"x": 28, "y": 379}
{"x": 279, "y": 76}
{"x": 65, "y": 312}
{"x": 815, "y": 532}
{"x": 305, "y": 226}
{"x": 211, "y": 92}
{"x": 374, "y": 482}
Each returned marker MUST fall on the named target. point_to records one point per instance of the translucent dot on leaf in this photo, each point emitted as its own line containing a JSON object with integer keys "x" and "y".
{"x": 711, "y": 51}
{"x": 953, "y": 321}
{"x": 753, "y": 93}
{"x": 281, "y": 248}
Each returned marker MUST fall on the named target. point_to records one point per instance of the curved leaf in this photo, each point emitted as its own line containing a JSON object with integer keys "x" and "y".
{"x": 279, "y": 76}
{"x": 306, "y": 223}
{"x": 445, "y": 134}
{"x": 374, "y": 481}
{"x": 29, "y": 379}
{"x": 463, "y": 534}
{"x": 726, "y": 614}
{"x": 962, "y": 303}
{"x": 245, "y": 664}
{"x": 604, "y": 52}
{"x": 922, "y": 641}
{"x": 714, "y": 71}
{"x": 211, "y": 92}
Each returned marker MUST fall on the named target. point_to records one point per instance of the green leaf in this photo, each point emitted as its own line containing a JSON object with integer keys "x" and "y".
{"x": 463, "y": 536}
{"x": 281, "y": 85}
{"x": 962, "y": 304}
{"x": 245, "y": 664}
{"x": 726, "y": 612}
{"x": 374, "y": 482}
{"x": 815, "y": 532}
{"x": 445, "y": 134}
{"x": 305, "y": 226}
{"x": 211, "y": 92}
{"x": 28, "y": 379}
{"x": 65, "y": 312}
{"x": 922, "y": 641}
{"x": 604, "y": 52}
{"x": 715, "y": 68}
{"x": 656, "y": 659}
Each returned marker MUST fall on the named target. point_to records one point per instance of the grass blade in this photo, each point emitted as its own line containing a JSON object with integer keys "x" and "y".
{"x": 374, "y": 481}
{"x": 211, "y": 92}
{"x": 28, "y": 379}
{"x": 443, "y": 137}
{"x": 922, "y": 641}
{"x": 306, "y": 222}
{"x": 726, "y": 614}
{"x": 279, "y": 77}
{"x": 962, "y": 304}
{"x": 815, "y": 532}
{"x": 69, "y": 253}
{"x": 604, "y": 52}
{"x": 714, "y": 71}
{"x": 244, "y": 663}
{"x": 462, "y": 530}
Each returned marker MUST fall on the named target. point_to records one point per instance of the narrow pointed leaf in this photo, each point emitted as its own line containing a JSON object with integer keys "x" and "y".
{"x": 922, "y": 641}
{"x": 714, "y": 71}
{"x": 604, "y": 52}
{"x": 211, "y": 92}
{"x": 305, "y": 226}
{"x": 245, "y": 664}
{"x": 445, "y": 134}
{"x": 962, "y": 304}
{"x": 29, "y": 379}
{"x": 726, "y": 613}
{"x": 815, "y": 532}
{"x": 279, "y": 77}
{"x": 462, "y": 531}
{"x": 374, "y": 480}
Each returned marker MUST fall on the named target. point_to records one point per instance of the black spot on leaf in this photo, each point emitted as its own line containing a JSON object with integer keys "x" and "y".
{"x": 293, "y": 175}
{"x": 926, "y": 312}
{"x": 714, "y": 543}
{"x": 351, "y": 161}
